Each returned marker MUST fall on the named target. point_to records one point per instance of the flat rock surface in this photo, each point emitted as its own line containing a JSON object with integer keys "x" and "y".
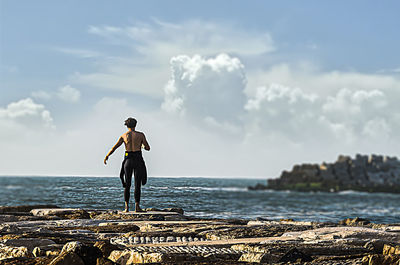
{"x": 169, "y": 237}
{"x": 52, "y": 211}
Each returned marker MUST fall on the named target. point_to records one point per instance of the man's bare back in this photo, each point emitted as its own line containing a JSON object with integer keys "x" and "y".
{"x": 134, "y": 140}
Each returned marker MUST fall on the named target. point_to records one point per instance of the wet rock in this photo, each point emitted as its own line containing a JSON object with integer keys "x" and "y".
{"x": 175, "y": 210}
{"x": 379, "y": 259}
{"x": 105, "y": 261}
{"x": 24, "y": 208}
{"x": 50, "y": 250}
{"x": 67, "y": 258}
{"x": 37, "y": 252}
{"x": 354, "y": 221}
{"x": 7, "y": 252}
{"x": 295, "y": 255}
{"x": 29, "y": 243}
{"x": 88, "y": 254}
{"x": 391, "y": 250}
{"x": 116, "y": 228}
{"x": 254, "y": 257}
{"x": 63, "y": 213}
{"x": 156, "y": 217}
{"x": 105, "y": 247}
{"x": 8, "y": 218}
{"x": 153, "y": 210}
{"x": 258, "y": 186}
{"x": 9, "y": 228}
{"x": 125, "y": 257}
{"x": 376, "y": 246}
{"x": 230, "y": 232}
{"x": 170, "y": 255}
{"x": 354, "y": 235}
{"x": 172, "y": 210}
{"x": 50, "y": 253}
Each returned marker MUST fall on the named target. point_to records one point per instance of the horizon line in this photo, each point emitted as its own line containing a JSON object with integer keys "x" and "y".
{"x": 156, "y": 176}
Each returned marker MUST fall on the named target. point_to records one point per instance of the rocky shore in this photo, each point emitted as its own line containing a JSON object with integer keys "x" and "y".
{"x": 46, "y": 234}
{"x": 374, "y": 173}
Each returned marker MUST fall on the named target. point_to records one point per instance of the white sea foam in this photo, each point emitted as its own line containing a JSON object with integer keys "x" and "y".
{"x": 13, "y": 187}
{"x": 212, "y": 188}
{"x": 351, "y": 192}
{"x": 108, "y": 188}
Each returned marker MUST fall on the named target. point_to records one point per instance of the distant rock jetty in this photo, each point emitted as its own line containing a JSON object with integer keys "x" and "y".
{"x": 374, "y": 173}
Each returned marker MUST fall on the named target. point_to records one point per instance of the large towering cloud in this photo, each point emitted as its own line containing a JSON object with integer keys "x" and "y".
{"x": 145, "y": 69}
{"x": 209, "y": 89}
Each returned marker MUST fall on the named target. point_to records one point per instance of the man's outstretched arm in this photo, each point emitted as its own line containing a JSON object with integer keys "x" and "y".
{"x": 118, "y": 144}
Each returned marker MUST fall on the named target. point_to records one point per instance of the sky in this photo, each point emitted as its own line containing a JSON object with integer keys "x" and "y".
{"x": 220, "y": 88}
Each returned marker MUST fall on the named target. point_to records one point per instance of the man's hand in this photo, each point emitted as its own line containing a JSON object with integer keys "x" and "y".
{"x": 105, "y": 160}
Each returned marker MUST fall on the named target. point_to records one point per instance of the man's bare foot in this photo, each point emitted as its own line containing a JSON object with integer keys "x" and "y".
{"x": 138, "y": 209}
{"x": 126, "y": 207}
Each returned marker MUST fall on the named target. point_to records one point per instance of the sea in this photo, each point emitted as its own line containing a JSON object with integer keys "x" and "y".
{"x": 202, "y": 197}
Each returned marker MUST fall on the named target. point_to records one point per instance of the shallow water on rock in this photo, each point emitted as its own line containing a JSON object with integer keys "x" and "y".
{"x": 202, "y": 197}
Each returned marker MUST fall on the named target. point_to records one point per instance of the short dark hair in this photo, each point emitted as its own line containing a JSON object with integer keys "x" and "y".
{"x": 131, "y": 122}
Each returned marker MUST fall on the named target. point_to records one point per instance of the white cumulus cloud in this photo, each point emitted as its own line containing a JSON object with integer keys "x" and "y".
{"x": 190, "y": 37}
{"x": 27, "y": 112}
{"x": 69, "y": 94}
{"x": 40, "y": 94}
{"x": 146, "y": 69}
{"x": 206, "y": 88}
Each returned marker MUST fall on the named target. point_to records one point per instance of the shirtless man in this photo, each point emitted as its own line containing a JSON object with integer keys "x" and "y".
{"x": 133, "y": 162}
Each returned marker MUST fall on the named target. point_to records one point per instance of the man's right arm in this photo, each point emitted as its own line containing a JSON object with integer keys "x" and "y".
{"x": 118, "y": 144}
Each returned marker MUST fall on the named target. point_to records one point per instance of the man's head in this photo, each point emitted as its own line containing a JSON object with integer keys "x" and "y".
{"x": 130, "y": 123}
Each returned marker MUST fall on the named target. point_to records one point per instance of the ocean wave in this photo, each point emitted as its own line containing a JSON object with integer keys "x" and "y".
{"x": 14, "y": 187}
{"x": 352, "y": 192}
{"x": 213, "y": 188}
{"x": 108, "y": 188}
{"x": 159, "y": 188}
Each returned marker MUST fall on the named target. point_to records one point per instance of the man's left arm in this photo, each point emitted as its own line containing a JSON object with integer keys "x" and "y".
{"x": 145, "y": 143}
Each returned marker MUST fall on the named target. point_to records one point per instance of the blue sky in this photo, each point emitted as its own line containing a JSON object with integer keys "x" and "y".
{"x": 278, "y": 81}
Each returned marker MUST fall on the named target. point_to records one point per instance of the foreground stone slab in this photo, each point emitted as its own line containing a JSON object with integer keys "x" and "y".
{"x": 29, "y": 243}
{"x": 54, "y": 211}
{"x": 7, "y": 252}
{"x": 257, "y": 222}
{"x": 361, "y": 234}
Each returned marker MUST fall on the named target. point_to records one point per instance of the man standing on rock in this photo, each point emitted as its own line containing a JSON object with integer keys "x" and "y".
{"x": 133, "y": 162}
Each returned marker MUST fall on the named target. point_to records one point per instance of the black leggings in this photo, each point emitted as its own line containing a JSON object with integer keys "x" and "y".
{"x": 135, "y": 165}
